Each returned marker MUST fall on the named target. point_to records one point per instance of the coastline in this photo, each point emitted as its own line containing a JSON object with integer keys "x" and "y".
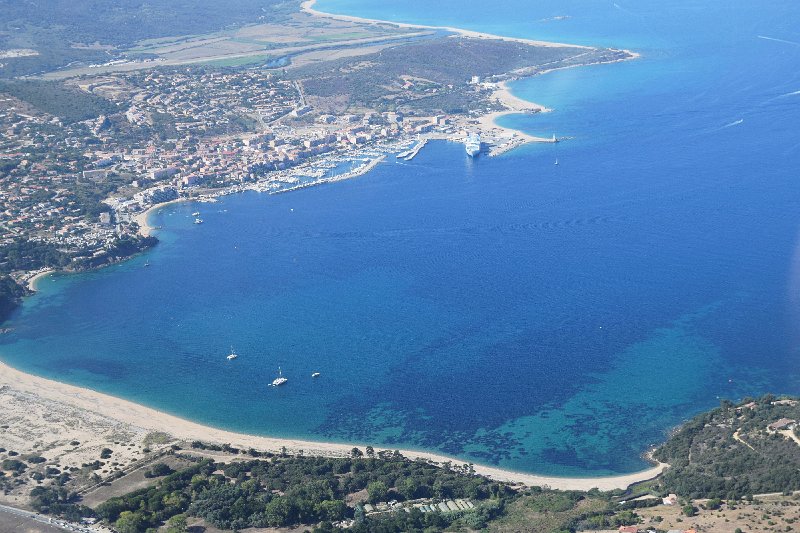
{"x": 145, "y": 418}
{"x": 34, "y": 280}
{"x": 145, "y": 229}
{"x": 502, "y": 92}
{"x": 308, "y": 7}
{"x": 139, "y": 416}
{"x": 513, "y": 105}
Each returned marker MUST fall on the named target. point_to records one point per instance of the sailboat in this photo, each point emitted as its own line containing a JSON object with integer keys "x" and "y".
{"x": 280, "y": 380}
{"x": 233, "y": 355}
{"x": 556, "y": 161}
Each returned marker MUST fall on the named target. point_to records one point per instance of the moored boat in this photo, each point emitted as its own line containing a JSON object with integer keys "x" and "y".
{"x": 472, "y": 144}
{"x": 280, "y": 380}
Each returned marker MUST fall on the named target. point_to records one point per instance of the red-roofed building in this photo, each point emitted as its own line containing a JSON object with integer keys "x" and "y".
{"x": 783, "y": 423}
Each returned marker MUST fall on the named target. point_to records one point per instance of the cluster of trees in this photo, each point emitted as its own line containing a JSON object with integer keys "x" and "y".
{"x": 447, "y": 64}
{"x": 11, "y": 294}
{"x": 58, "y": 501}
{"x": 707, "y": 461}
{"x": 70, "y": 104}
{"x": 285, "y": 491}
{"x": 24, "y": 254}
{"x": 14, "y": 465}
{"x": 158, "y": 470}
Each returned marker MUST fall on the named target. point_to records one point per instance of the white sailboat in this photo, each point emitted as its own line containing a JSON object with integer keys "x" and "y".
{"x": 280, "y": 380}
{"x": 233, "y": 355}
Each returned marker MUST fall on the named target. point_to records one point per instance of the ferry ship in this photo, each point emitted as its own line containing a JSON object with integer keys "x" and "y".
{"x": 473, "y": 144}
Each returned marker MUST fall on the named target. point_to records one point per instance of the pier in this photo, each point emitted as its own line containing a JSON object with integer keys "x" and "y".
{"x": 518, "y": 141}
{"x": 408, "y": 155}
{"x": 363, "y": 169}
{"x": 416, "y": 149}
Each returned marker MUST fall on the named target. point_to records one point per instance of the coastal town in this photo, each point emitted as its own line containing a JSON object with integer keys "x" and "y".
{"x": 83, "y": 160}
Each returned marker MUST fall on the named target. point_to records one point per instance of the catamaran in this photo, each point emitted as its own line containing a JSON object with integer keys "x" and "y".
{"x": 280, "y": 380}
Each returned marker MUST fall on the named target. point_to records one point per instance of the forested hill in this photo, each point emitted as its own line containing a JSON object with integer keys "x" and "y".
{"x": 735, "y": 451}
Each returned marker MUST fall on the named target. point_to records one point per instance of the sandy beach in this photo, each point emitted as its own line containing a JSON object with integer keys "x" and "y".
{"x": 33, "y": 280}
{"x": 145, "y": 229}
{"x": 308, "y": 7}
{"x": 502, "y": 92}
{"x": 46, "y": 415}
{"x": 513, "y": 104}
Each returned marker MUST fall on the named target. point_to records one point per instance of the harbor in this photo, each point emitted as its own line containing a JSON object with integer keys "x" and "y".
{"x": 408, "y": 155}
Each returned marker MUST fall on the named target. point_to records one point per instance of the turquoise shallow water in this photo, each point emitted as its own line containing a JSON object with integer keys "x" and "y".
{"x": 552, "y": 319}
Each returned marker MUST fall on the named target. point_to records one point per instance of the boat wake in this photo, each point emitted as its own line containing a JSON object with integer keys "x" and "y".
{"x": 777, "y": 40}
{"x": 734, "y": 123}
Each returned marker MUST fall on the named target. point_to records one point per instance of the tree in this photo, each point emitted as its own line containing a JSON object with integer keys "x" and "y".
{"x": 408, "y": 488}
{"x": 713, "y": 504}
{"x": 331, "y": 510}
{"x": 177, "y": 524}
{"x": 355, "y": 452}
{"x": 370, "y": 451}
{"x": 158, "y": 470}
{"x": 689, "y": 509}
{"x": 377, "y": 491}
{"x": 129, "y": 522}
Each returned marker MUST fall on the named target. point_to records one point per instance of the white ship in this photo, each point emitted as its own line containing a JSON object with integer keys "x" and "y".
{"x": 315, "y": 375}
{"x": 473, "y": 144}
{"x": 233, "y": 355}
{"x": 280, "y": 380}
{"x": 198, "y": 221}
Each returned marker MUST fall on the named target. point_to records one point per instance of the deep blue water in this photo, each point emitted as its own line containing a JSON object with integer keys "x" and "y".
{"x": 553, "y": 319}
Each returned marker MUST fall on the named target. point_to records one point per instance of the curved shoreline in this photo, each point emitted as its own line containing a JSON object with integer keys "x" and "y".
{"x": 143, "y": 417}
{"x": 138, "y": 415}
{"x": 502, "y": 93}
{"x": 308, "y": 7}
{"x": 145, "y": 229}
{"x": 34, "y": 280}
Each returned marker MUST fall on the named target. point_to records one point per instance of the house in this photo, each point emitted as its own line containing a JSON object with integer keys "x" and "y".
{"x": 671, "y": 499}
{"x": 783, "y": 423}
{"x": 751, "y": 405}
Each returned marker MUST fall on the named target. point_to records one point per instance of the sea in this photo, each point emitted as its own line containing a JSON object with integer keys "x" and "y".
{"x": 554, "y": 319}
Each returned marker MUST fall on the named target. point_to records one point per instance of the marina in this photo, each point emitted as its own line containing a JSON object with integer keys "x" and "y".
{"x": 408, "y": 155}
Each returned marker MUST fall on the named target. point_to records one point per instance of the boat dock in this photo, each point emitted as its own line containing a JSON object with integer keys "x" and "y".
{"x": 408, "y": 155}
{"x": 517, "y": 141}
{"x": 359, "y": 171}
